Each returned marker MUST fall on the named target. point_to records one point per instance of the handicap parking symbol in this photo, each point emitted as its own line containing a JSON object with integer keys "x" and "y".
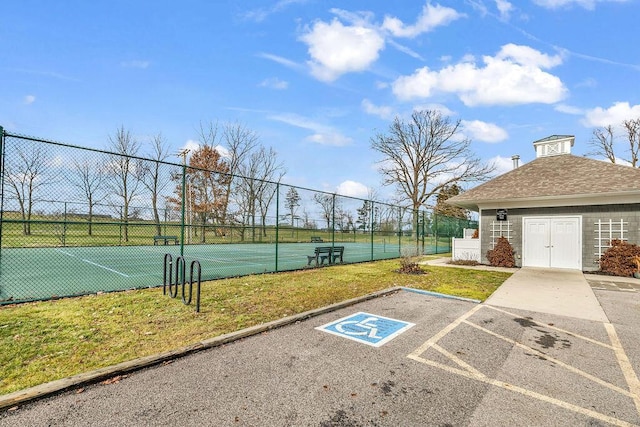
{"x": 367, "y": 328}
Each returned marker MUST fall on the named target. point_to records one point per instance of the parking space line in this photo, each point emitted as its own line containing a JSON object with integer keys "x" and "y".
{"x": 556, "y": 361}
{"x": 525, "y": 392}
{"x": 434, "y": 339}
{"x": 457, "y": 360}
{"x": 470, "y": 372}
{"x": 564, "y": 331}
{"x": 625, "y": 365}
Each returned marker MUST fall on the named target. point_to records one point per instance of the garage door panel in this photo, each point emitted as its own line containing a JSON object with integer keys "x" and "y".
{"x": 552, "y": 242}
{"x": 536, "y": 243}
{"x": 566, "y": 245}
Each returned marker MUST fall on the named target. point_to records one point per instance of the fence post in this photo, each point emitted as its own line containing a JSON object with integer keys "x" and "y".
{"x": 1, "y": 185}
{"x": 165, "y": 221}
{"x": 422, "y": 225}
{"x": 277, "y": 221}
{"x": 435, "y": 226}
{"x": 415, "y": 227}
{"x": 399, "y": 230}
{"x": 182, "y": 207}
{"x": 333, "y": 220}
{"x": 64, "y": 226}
{"x": 371, "y": 228}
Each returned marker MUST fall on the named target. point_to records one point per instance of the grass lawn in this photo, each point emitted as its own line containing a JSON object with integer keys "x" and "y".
{"x": 45, "y": 341}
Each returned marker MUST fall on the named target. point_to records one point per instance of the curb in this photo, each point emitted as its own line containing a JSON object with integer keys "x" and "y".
{"x": 47, "y": 389}
{"x": 439, "y": 295}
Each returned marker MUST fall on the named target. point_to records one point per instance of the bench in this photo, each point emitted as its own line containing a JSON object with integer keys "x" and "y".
{"x": 316, "y": 239}
{"x": 322, "y": 253}
{"x": 165, "y": 239}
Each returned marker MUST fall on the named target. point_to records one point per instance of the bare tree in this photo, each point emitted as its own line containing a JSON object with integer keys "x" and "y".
{"x": 325, "y": 201}
{"x": 307, "y": 222}
{"x": 236, "y": 139}
{"x": 88, "y": 179}
{"x": 425, "y": 154}
{"x": 632, "y": 128}
{"x": 602, "y": 143}
{"x": 270, "y": 172}
{"x": 125, "y": 172}
{"x": 604, "y": 140}
{"x": 25, "y": 178}
{"x": 152, "y": 178}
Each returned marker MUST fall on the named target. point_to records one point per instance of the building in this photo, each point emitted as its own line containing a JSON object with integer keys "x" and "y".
{"x": 559, "y": 210}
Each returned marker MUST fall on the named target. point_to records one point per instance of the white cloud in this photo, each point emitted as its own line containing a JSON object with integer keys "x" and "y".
{"x": 384, "y": 111}
{"x": 483, "y": 131}
{"x": 505, "y": 8}
{"x": 382, "y": 85}
{"x": 224, "y": 152}
{"x": 430, "y": 18}
{"x": 333, "y": 138}
{"x": 527, "y": 56}
{"x": 260, "y": 14}
{"x": 323, "y": 134}
{"x": 443, "y": 109}
{"x": 274, "y": 83}
{"x": 280, "y": 60}
{"x": 189, "y": 147}
{"x": 29, "y": 99}
{"x": 614, "y": 115}
{"x": 135, "y": 64}
{"x": 502, "y": 164}
{"x": 352, "y": 189}
{"x": 588, "y": 82}
{"x": 405, "y": 50}
{"x": 336, "y": 49}
{"x": 587, "y": 4}
{"x": 514, "y": 76}
{"x": 568, "y": 109}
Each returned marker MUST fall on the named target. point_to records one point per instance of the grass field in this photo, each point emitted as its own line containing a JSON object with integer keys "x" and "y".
{"x": 44, "y": 341}
{"x": 47, "y": 232}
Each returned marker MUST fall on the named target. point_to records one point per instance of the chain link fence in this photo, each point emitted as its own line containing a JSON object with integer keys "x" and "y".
{"x": 76, "y": 221}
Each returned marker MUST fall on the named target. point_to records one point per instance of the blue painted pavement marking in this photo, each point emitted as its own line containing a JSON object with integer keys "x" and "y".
{"x": 367, "y": 328}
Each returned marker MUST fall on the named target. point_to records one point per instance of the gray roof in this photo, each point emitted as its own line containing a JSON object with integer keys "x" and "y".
{"x": 553, "y": 138}
{"x": 564, "y": 176}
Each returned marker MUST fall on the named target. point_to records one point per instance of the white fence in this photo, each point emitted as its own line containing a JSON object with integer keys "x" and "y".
{"x": 465, "y": 249}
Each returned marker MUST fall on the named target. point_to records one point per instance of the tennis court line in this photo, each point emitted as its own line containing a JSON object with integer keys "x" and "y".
{"x": 92, "y": 263}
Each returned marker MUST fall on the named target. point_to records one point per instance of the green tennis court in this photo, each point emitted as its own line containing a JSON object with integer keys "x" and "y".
{"x": 43, "y": 273}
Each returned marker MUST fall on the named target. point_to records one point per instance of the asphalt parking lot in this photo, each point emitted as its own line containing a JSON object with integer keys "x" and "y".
{"x": 452, "y": 363}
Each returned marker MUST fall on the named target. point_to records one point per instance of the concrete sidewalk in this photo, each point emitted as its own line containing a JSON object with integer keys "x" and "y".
{"x": 553, "y": 291}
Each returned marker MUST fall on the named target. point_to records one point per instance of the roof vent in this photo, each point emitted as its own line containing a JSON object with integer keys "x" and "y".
{"x": 554, "y": 145}
{"x": 516, "y": 161}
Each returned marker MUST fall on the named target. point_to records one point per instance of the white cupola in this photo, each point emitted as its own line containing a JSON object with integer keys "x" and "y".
{"x": 554, "y": 145}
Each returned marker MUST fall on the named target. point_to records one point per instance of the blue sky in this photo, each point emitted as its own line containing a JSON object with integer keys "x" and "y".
{"x": 318, "y": 79}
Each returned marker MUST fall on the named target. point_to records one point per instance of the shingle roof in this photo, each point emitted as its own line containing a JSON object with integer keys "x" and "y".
{"x": 555, "y": 177}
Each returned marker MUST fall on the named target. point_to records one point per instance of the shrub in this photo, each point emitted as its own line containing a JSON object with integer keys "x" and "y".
{"x": 502, "y": 254}
{"x": 409, "y": 266}
{"x": 619, "y": 258}
{"x": 476, "y": 234}
{"x": 408, "y": 262}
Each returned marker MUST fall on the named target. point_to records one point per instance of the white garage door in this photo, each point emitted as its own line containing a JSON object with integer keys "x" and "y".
{"x": 554, "y": 242}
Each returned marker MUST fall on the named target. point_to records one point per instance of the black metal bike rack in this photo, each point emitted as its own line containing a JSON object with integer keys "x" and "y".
{"x": 171, "y": 281}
